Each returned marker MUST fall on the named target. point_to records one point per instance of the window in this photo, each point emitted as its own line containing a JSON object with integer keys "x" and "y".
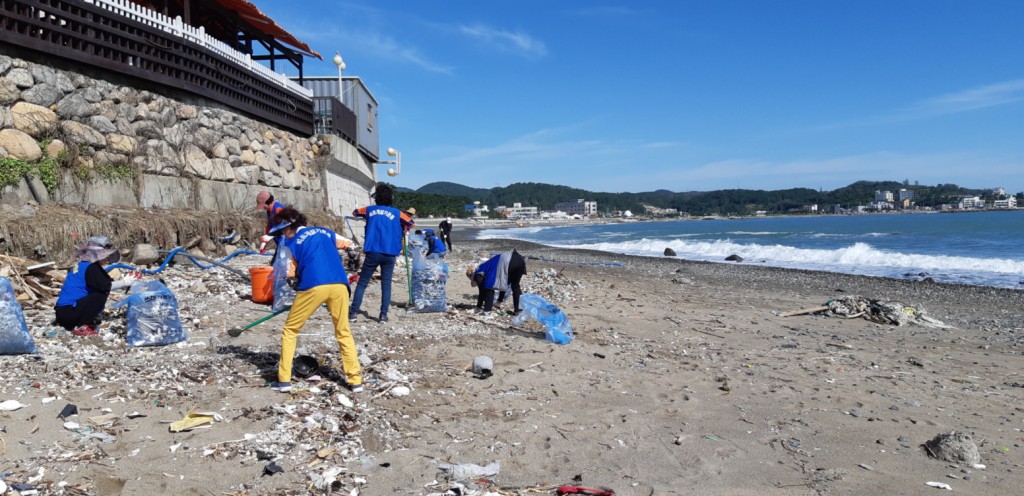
{"x": 369, "y": 117}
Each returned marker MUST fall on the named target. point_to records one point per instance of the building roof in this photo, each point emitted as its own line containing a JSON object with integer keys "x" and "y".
{"x": 265, "y": 24}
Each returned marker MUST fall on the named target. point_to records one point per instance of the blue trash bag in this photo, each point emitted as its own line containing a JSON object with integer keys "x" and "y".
{"x": 284, "y": 295}
{"x": 556, "y": 325}
{"x": 14, "y": 336}
{"x": 429, "y": 277}
{"x": 152, "y": 315}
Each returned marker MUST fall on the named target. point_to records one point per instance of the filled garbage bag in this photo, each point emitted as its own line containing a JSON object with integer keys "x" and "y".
{"x": 284, "y": 294}
{"x": 429, "y": 277}
{"x": 14, "y": 336}
{"x": 556, "y": 325}
{"x": 152, "y": 316}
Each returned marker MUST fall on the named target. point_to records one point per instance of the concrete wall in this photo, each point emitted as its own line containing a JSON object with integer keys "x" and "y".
{"x": 348, "y": 178}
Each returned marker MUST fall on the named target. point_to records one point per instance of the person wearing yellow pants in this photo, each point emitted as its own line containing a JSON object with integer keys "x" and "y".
{"x": 321, "y": 279}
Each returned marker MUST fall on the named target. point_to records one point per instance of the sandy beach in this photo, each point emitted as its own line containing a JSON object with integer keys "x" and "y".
{"x": 683, "y": 378}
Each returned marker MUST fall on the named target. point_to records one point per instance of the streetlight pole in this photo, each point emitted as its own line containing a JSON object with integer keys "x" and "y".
{"x": 340, "y": 62}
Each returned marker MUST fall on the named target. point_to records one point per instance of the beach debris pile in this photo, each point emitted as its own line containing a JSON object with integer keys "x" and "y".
{"x": 553, "y": 285}
{"x": 35, "y": 284}
{"x": 882, "y": 312}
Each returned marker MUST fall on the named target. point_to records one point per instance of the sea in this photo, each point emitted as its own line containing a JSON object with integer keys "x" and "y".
{"x": 973, "y": 248}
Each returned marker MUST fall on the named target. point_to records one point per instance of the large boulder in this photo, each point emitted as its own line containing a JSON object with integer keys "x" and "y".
{"x": 9, "y": 92}
{"x": 33, "y": 119}
{"x": 119, "y": 143}
{"x": 145, "y": 254}
{"x": 42, "y": 94}
{"x": 147, "y": 129}
{"x": 197, "y": 163}
{"x": 669, "y": 252}
{"x": 20, "y": 145}
{"x": 73, "y": 106}
{"x": 78, "y": 133}
{"x": 101, "y": 123}
{"x": 220, "y": 170}
{"x": 55, "y": 147}
{"x": 21, "y": 78}
{"x": 247, "y": 174}
{"x": 157, "y": 157}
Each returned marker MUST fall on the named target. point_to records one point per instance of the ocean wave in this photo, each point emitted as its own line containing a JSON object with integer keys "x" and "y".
{"x": 858, "y": 258}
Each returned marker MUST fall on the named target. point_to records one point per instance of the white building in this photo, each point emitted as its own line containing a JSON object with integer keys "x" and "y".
{"x": 578, "y": 207}
{"x": 906, "y": 194}
{"x": 883, "y": 196}
{"x": 518, "y": 211}
{"x": 968, "y": 202}
{"x": 999, "y": 192}
{"x": 1009, "y": 202}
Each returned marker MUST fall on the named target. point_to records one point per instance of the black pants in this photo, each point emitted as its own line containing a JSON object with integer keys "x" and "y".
{"x": 447, "y": 238}
{"x": 85, "y": 312}
{"x": 516, "y": 271}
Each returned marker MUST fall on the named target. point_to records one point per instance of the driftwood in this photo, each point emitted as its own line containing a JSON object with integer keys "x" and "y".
{"x": 804, "y": 311}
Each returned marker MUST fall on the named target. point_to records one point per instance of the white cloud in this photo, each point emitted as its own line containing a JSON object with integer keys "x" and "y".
{"x": 519, "y": 43}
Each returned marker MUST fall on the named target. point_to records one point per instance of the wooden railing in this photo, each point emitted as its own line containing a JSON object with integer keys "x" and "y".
{"x": 333, "y": 117}
{"x": 157, "y": 49}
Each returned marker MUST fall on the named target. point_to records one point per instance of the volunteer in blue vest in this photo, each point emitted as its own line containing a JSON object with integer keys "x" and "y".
{"x": 87, "y": 286}
{"x": 265, "y": 201}
{"x": 435, "y": 247}
{"x": 501, "y": 272}
{"x": 382, "y": 243}
{"x": 320, "y": 279}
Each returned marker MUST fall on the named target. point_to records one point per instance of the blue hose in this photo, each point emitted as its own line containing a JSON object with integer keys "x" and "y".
{"x": 191, "y": 259}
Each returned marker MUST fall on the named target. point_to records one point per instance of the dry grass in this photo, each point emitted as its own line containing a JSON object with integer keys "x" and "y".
{"x": 60, "y": 229}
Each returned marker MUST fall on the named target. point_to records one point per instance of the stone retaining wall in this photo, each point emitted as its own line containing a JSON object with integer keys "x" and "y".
{"x": 178, "y": 154}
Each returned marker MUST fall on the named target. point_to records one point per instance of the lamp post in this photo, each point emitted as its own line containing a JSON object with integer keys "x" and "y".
{"x": 340, "y": 62}
{"x": 397, "y": 162}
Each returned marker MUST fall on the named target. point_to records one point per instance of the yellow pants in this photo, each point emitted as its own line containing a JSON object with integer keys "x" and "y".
{"x": 306, "y": 302}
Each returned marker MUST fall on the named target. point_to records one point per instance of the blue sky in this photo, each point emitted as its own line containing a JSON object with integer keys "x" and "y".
{"x": 684, "y": 95}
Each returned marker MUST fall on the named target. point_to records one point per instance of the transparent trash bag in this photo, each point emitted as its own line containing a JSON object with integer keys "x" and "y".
{"x": 284, "y": 294}
{"x": 14, "y": 336}
{"x": 152, "y": 316}
{"x": 429, "y": 277}
{"x": 556, "y": 325}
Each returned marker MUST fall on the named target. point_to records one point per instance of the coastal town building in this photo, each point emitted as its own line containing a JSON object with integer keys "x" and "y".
{"x": 1008, "y": 202}
{"x": 578, "y": 207}
{"x": 518, "y": 212}
{"x": 883, "y": 197}
{"x": 906, "y": 195}
{"x": 971, "y": 202}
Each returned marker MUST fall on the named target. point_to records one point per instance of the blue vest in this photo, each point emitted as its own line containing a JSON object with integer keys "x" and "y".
{"x": 74, "y": 287}
{"x": 439, "y": 246}
{"x": 383, "y": 230}
{"x": 316, "y": 258}
{"x": 490, "y": 270}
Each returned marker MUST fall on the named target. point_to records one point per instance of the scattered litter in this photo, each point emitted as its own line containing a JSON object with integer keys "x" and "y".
{"x": 272, "y": 468}
{"x": 940, "y": 485}
{"x": 464, "y": 471}
{"x": 400, "y": 391}
{"x": 11, "y": 405}
{"x": 482, "y": 367}
{"x": 67, "y": 411}
{"x": 195, "y": 420}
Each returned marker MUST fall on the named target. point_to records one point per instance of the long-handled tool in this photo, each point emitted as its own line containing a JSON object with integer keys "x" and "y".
{"x": 237, "y": 331}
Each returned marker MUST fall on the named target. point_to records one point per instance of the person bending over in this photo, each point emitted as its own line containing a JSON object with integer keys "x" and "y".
{"x": 501, "y": 273}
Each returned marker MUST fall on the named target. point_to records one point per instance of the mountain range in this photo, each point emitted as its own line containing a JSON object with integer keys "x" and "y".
{"x": 449, "y": 199}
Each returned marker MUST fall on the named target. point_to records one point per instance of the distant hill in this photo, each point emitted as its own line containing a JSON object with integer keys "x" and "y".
{"x": 445, "y": 198}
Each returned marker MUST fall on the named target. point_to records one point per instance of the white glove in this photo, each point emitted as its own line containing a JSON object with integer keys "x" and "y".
{"x": 266, "y": 238}
{"x": 130, "y": 279}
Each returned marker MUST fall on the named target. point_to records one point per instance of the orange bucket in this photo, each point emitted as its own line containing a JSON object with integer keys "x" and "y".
{"x": 262, "y": 284}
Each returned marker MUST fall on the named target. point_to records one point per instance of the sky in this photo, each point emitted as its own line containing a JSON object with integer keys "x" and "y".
{"x": 684, "y": 95}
